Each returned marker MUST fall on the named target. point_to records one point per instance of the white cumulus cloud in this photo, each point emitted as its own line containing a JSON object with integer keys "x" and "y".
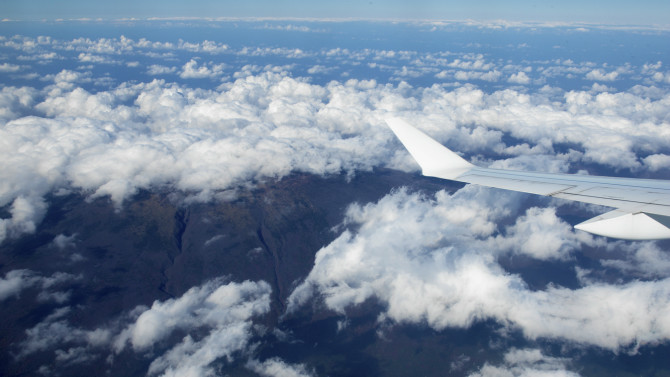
{"x": 276, "y": 367}
{"x": 527, "y": 363}
{"x": 600, "y": 75}
{"x": 9, "y": 68}
{"x": 217, "y": 317}
{"x": 519, "y": 78}
{"x": 431, "y": 261}
{"x": 193, "y": 70}
{"x": 265, "y": 125}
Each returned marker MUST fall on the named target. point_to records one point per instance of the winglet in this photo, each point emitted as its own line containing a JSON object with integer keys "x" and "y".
{"x": 627, "y": 226}
{"x": 434, "y": 158}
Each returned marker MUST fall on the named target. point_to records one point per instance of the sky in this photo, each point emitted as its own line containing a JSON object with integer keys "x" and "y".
{"x": 646, "y": 12}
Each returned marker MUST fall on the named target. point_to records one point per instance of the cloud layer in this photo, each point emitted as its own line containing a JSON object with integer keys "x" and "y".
{"x": 267, "y": 125}
{"x": 218, "y": 319}
{"x": 427, "y": 260}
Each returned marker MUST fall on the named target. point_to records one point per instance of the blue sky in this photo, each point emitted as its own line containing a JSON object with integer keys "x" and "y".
{"x": 643, "y": 12}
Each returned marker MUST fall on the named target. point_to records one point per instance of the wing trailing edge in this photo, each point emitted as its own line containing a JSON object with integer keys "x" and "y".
{"x": 643, "y": 205}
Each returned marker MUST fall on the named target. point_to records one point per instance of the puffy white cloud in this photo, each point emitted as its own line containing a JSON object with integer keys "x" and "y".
{"x": 192, "y": 70}
{"x": 319, "y": 69}
{"x": 473, "y": 75}
{"x": 217, "y": 318}
{"x": 276, "y": 51}
{"x": 14, "y": 282}
{"x": 193, "y": 358}
{"x": 63, "y": 242}
{"x": 409, "y": 72}
{"x": 67, "y": 80}
{"x": 53, "y": 330}
{"x": 205, "y": 46}
{"x": 657, "y": 161}
{"x": 600, "y": 75}
{"x": 661, "y": 77}
{"x": 15, "y": 102}
{"x": 74, "y": 355}
{"x": 17, "y": 280}
{"x": 9, "y": 68}
{"x": 477, "y": 64}
{"x": 519, "y": 78}
{"x": 433, "y": 261}
{"x": 92, "y": 58}
{"x": 527, "y": 363}
{"x": 541, "y": 235}
{"x": 276, "y": 367}
{"x": 26, "y": 214}
{"x": 644, "y": 259}
{"x": 213, "y": 305}
{"x": 267, "y": 125}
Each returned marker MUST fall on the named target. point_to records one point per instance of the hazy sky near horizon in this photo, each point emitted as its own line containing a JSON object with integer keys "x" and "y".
{"x": 642, "y": 12}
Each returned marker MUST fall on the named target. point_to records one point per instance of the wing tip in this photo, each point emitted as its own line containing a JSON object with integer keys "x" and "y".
{"x": 435, "y": 159}
{"x": 625, "y": 225}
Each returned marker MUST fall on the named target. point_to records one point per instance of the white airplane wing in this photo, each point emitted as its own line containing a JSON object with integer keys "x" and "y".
{"x": 642, "y": 205}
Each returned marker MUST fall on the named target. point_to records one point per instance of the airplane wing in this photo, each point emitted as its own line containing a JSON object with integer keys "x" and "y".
{"x": 642, "y": 205}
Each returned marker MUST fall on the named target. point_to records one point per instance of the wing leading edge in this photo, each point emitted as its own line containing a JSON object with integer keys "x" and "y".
{"x": 642, "y": 205}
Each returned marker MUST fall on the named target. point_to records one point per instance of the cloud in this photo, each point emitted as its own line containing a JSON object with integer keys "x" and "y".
{"x": 478, "y": 64}
{"x": 432, "y": 261}
{"x": 600, "y": 75}
{"x": 657, "y": 161}
{"x": 156, "y": 69}
{"x": 491, "y": 76}
{"x": 16, "y": 281}
{"x": 205, "y": 46}
{"x": 41, "y": 57}
{"x": 265, "y": 125}
{"x": 319, "y": 69}
{"x": 193, "y": 358}
{"x": 16, "y": 102}
{"x": 644, "y": 259}
{"x": 661, "y": 77}
{"x": 541, "y": 235}
{"x": 67, "y": 79}
{"x": 26, "y": 213}
{"x": 191, "y": 70}
{"x": 212, "y": 305}
{"x": 217, "y": 318}
{"x": 63, "y": 242}
{"x": 527, "y": 363}
{"x": 519, "y": 78}
{"x": 288, "y": 27}
{"x": 409, "y": 72}
{"x": 291, "y": 53}
{"x": 276, "y": 367}
{"x": 51, "y": 332}
{"x": 9, "y": 68}
{"x": 92, "y": 58}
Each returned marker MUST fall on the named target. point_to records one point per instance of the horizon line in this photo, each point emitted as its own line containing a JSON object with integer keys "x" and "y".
{"x": 494, "y": 23}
